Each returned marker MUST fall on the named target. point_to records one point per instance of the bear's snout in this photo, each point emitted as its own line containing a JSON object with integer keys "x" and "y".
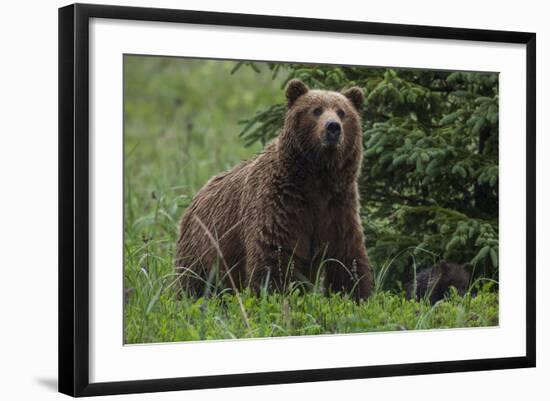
{"x": 333, "y": 129}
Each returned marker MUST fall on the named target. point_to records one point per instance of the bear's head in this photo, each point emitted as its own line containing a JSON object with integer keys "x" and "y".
{"x": 454, "y": 275}
{"x": 322, "y": 125}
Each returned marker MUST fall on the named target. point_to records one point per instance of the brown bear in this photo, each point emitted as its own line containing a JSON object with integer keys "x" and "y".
{"x": 288, "y": 212}
{"x": 435, "y": 281}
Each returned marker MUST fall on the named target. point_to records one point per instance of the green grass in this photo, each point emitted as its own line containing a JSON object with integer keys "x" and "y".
{"x": 269, "y": 315}
{"x": 181, "y": 128}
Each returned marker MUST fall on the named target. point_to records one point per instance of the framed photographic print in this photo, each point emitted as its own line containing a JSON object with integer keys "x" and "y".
{"x": 249, "y": 199}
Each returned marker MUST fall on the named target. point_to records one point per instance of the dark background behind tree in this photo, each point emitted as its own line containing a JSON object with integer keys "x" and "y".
{"x": 429, "y": 184}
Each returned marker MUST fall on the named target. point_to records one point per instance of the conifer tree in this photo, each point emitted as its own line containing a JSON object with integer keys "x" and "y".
{"x": 429, "y": 184}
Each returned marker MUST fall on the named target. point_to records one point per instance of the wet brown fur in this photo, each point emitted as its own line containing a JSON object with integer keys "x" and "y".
{"x": 283, "y": 212}
{"x": 435, "y": 281}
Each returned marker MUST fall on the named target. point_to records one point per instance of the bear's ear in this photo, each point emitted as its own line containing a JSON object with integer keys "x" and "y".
{"x": 444, "y": 266}
{"x": 355, "y": 95}
{"x": 294, "y": 90}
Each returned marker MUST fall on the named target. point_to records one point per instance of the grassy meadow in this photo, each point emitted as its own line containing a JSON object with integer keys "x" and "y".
{"x": 181, "y": 127}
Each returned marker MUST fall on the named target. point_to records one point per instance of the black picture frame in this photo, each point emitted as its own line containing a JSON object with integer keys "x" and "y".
{"x": 74, "y": 198}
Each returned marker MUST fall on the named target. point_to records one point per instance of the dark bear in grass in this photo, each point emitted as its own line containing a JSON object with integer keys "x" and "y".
{"x": 435, "y": 281}
{"x": 290, "y": 210}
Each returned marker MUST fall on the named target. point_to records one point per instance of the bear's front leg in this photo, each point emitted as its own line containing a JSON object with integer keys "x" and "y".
{"x": 349, "y": 270}
{"x": 349, "y": 276}
{"x": 272, "y": 266}
{"x": 263, "y": 270}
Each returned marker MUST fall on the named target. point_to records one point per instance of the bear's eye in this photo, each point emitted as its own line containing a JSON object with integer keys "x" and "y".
{"x": 341, "y": 113}
{"x": 317, "y": 111}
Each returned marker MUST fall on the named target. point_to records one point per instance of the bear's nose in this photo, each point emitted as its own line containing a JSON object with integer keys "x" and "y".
{"x": 333, "y": 130}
